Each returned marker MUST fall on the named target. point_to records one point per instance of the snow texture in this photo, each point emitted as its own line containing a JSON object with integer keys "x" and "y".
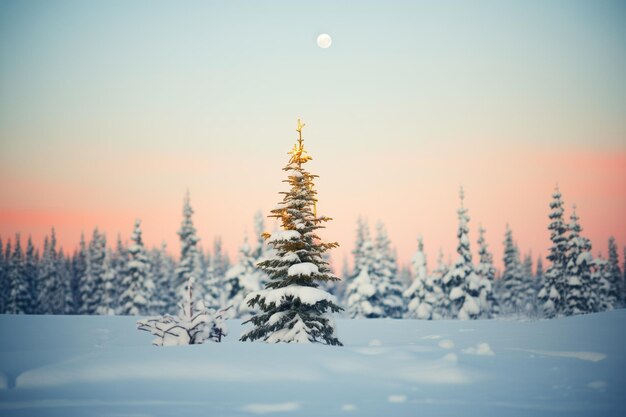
{"x": 100, "y": 365}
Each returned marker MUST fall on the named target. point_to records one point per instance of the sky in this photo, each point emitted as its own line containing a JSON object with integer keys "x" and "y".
{"x": 110, "y": 111}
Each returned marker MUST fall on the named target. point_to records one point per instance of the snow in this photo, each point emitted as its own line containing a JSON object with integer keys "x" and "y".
{"x": 446, "y": 344}
{"x": 284, "y": 235}
{"x": 456, "y": 292}
{"x": 307, "y": 295}
{"x": 270, "y": 408}
{"x": 583, "y": 356}
{"x": 481, "y": 349}
{"x": 303, "y": 268}
{"x": 101, "y": 365}
{"x": 396, "y": 398}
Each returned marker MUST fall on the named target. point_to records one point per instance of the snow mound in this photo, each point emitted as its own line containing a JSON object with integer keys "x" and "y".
{"x": 481, "y": 349}
{"x": 270, "y": 408}
{"x": 446, "y": 344}
{"x": 396, "y": 398}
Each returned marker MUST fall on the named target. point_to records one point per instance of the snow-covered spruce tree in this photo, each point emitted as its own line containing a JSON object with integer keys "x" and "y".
{"x": 292, "y": 308}
{"x": 362, "y": 297}
{"x": 19, "y": 298}
{"x": 386, "y": 272}
{"x": 515, "y": 291}
{"x": 110, "y": 285}
{"x": 162, "y": 269}
{"x": 194, "y": 324}
{"x": 615, "y": 273}
{"x": 92, "y": 285}
{"x": 219, "y": 261}
{"x": 600, "y": 276}
{"x": 550, "y": 297}
{"x": 31, "y": 273}
{"x": 424, "y": 295}
{"x": 4, "y": 287}
{"x": 79, "y": 270}
{"x": 461, "y": 284}
{"x": 64, "y": 267}
{"x": 362, "y": 236}
{"x": 241, "y": 279}
{"x": 487, "y": 273}
{"x": 190, "y": 263}
{"x": 51, "y": 296}
{"x": 538, "y": 283}
{"x": 577, "y": 282}
{"x": 137, "y": 286}
{"x": 624, "y": 275}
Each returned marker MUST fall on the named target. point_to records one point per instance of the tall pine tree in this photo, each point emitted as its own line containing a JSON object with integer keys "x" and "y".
{"x": 19, "y": 297}
{"x": 386, "y": 272}
{"x": 51, "y": 296}
{"x": 292, "y": 308}
{"x": 461, "y": 284}
{"x": 190, "y": 262}
{"x": 487, "y": 272}
{"x": 137, "y": 285}
{"x": 615, "y": 273}
{"x": 551, "y": 297}
{"x": 577, "y": 279}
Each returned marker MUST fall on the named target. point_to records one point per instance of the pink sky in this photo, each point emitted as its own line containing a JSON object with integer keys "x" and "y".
{"x": 410, "y": 194}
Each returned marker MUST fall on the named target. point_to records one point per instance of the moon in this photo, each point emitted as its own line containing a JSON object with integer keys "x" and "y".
{"x": 324, "y": 41}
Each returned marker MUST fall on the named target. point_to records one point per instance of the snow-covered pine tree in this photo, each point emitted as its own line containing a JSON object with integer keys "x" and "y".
{"x": 624, "y": 275}
{"x": 190, "y": 262}
{"x": 550, "y": 297}
{"x": 577, "y": 282}
{"x": 4, "y": 287}
{"x": 31, "y": 273}
{"x": 65, "y": 276}
{"x": 527, "y": 267}
{"x": 51, "y": 297}
{"x": 162, "y": 270}
{"x": 424, "y": 295}
{"x": 515, "y": 291}
{"x": 92, "y": 284}
{"x": 193, "y": 325}
{"x": 219, "y": 260}
{"x": 79, "y": 270}
{"x": 241, "y": 279}
{"x": 615, "y": 273}
{"x": 362, "y": 297}
{"x": 137, "y": 285}
{"x": 19, "y": 298}
{"x": 600, "y": 276}
{"x": 487, "y": 273}
{"x": 292, "y": 308}
{"x": 461, "y": 285}
{"x": 386, "y": 273}
{"x": 362, "y": 236}
{"x": 110, "y": 286}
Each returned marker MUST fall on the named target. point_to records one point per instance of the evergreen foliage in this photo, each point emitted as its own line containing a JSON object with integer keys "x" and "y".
{"x": 461, "y": 285}
{"x": 551, "y": 297}
{"x": 292, "y": 307}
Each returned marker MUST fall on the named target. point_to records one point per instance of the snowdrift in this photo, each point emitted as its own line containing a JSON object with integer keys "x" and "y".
{"x": 103, "y": 366}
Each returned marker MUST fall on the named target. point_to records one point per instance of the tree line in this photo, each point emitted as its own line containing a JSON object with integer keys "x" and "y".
{"x": 130, "y": 279}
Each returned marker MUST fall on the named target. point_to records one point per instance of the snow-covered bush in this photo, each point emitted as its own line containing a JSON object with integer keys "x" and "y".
{"x": 194, "y": 325}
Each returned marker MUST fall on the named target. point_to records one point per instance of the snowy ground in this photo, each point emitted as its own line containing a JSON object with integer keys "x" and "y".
{"x": 102, "y": 366}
